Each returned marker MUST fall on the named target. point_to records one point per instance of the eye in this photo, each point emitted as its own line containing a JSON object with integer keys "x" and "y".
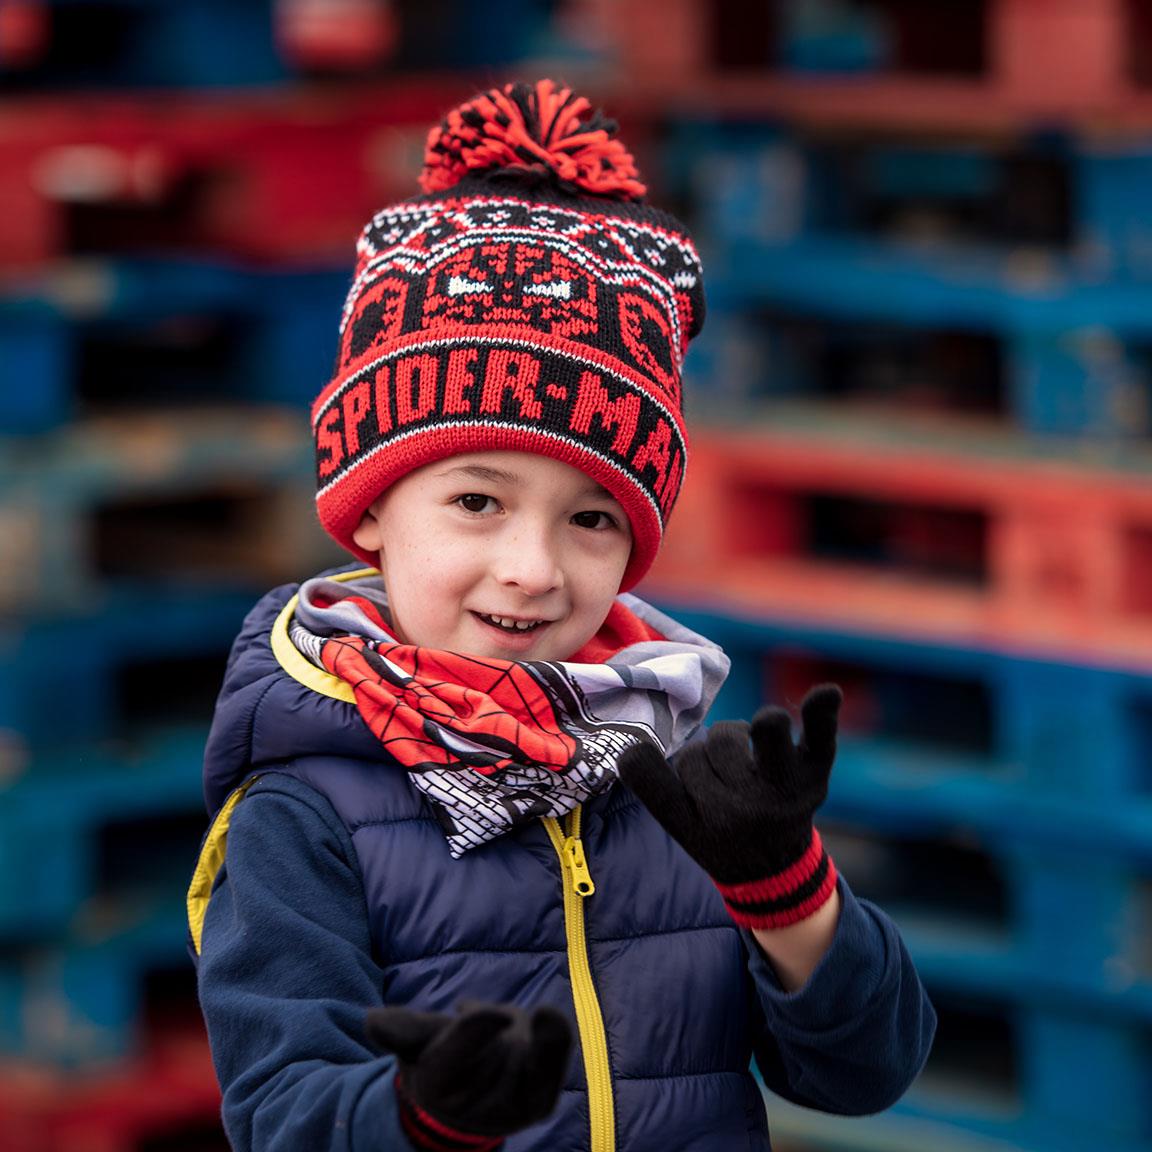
{"x": 597, "y": 521}
{"x": 476, "y": 502}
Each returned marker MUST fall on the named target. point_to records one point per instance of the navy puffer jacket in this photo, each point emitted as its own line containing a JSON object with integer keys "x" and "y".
{"x": 331, "y": 889}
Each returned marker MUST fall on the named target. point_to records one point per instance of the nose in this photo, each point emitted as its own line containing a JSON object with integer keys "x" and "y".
{"x": 529, "y": 560}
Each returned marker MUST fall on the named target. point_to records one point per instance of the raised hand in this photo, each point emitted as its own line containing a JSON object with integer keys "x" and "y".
{"x": 741, "y": 805}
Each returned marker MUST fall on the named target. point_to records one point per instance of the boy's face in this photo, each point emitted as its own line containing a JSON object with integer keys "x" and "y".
{"x": 473, "y": 545}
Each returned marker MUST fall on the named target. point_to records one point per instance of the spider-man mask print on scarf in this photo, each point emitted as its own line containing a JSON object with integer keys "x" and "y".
{"x": 494, "y": 743}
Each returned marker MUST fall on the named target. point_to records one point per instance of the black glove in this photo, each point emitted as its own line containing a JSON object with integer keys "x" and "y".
{"x": 486, "y": 1072}
{"x": 741, "y": 805}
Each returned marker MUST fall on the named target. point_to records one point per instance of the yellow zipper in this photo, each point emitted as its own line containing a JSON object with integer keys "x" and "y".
{"x": 578, "y": 886}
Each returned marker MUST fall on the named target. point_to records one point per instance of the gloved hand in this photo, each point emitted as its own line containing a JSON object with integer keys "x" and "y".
{"x": 469, "y": 1080}
{"x": 741, "y": 805}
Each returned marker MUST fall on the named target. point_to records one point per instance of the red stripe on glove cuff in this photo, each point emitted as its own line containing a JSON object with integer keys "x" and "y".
{"x": 786, "y": 897}
{"x": 428, "y": 1133}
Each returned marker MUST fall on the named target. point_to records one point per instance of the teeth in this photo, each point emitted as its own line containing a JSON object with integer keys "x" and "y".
{"x": 517, "y": 625}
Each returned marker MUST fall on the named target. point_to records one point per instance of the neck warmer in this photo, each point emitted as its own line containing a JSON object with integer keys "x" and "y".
{"x": 494, "y": 743}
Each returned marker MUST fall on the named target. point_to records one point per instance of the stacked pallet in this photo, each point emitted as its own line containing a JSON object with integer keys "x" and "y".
{"x": 922, "y": 467}
{"x": 181, "y": 185}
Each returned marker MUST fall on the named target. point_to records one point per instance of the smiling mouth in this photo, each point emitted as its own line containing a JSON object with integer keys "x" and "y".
{"x": 513, "y": 626}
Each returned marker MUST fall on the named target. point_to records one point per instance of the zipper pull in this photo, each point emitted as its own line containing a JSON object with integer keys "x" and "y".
{"x": 574, "y": 858}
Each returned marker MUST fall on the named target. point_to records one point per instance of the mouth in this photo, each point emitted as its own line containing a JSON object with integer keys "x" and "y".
{"x": 512, "y": 625}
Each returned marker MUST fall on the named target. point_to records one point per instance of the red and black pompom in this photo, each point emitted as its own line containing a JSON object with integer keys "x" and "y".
{"x": 537, "y": 127}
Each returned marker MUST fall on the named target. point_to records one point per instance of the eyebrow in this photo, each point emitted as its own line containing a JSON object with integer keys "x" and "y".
{"x": 480, "y": 472}
{"x": 500, "y": 476}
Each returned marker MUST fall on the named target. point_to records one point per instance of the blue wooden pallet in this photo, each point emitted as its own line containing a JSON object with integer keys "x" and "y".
{"x": 999, "y": 913}
{"x": 832, "y": 39}
{"x": 154, "y": 333}
{"x": 1075, "y": 351}
{"x": 943, "y": 1118}
{"x": 1018, "y": 860}
{"x": 1041, "y": 767}
{"x": 1075, "y": 367}
{"x": 79, "y": 1001}
{"x": 862, "y": 279}
{"x": 191, "y": 499}
{"x": 72, "y": 683}
{"x": 145, "y": 43}
{"x": 788, "y": 226}
{"x": 1060, "y": 192}
{"x": 122, "y": 827}
{"x": 213, "y": 497}
{"x": 165, "y": 44}
{"x": 1081, "y": 734}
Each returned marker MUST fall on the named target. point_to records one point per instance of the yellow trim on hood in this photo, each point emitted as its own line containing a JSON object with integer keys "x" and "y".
{"x": 298, "y": 666}
{"x": 301, "y": 669}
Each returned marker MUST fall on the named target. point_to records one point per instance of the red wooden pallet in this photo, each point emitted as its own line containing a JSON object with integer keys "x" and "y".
{"x": 1044, "y": 60}
{"x": 1032, "y": 556}
{"x": 169, "y": 1090}
{"x": 261, "y": 176}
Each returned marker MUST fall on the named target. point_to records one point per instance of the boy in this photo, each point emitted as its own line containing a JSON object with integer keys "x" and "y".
{"x": 454, "y": 895}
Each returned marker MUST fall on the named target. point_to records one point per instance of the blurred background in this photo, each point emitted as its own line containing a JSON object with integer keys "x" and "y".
{"x": 921, "y": 408}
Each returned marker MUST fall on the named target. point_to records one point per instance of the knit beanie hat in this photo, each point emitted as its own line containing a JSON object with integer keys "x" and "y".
{"x": 530, "y": 300}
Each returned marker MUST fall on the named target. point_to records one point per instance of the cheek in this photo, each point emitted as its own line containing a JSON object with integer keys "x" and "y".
{"x": 400, "y": 565}
{"x": 425, "y": 562}
{"x": 601, "y": 576}
{"x": 616, "y": 558}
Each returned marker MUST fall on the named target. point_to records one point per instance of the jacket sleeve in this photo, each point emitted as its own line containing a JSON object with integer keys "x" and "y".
{"x": 856, "y": 1035}
{"x": 285, "y": 974}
